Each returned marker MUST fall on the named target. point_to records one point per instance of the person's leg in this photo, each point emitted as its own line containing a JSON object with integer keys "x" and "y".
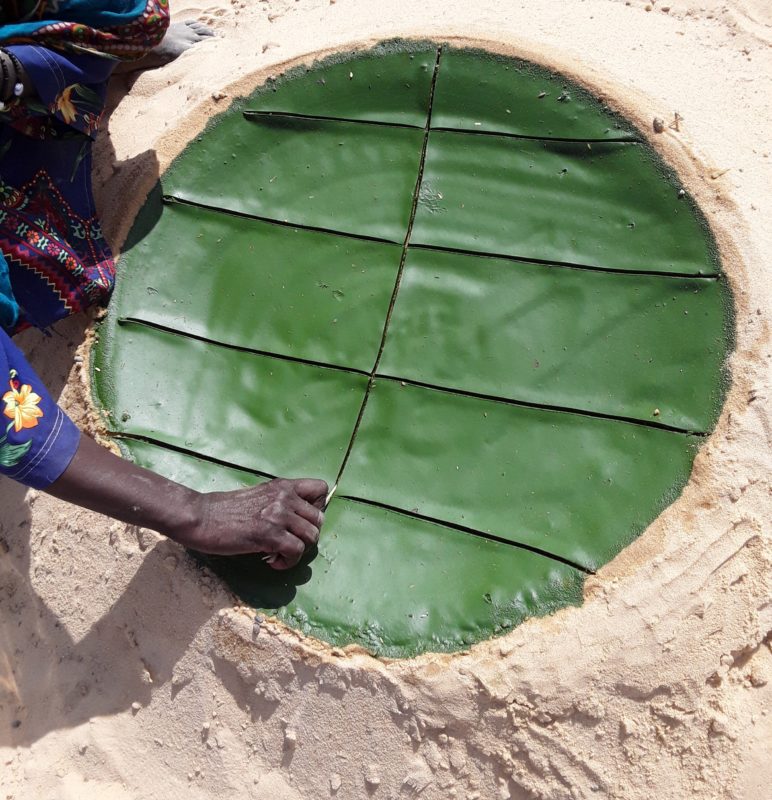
{"x": 180, "y": 36}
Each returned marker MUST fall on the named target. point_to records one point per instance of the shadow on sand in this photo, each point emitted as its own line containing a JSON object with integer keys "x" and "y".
{"x": 47, "y": 679}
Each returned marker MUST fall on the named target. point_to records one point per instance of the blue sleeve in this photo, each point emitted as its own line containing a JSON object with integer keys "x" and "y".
{"x": 37, "y": 440}
{"x": 70, "y": 87}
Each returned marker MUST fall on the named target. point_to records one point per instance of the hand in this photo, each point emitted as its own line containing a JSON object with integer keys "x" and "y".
{"x": 281, "y": 518}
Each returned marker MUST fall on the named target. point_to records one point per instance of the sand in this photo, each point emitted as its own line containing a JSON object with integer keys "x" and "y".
{"x": 127, "y": 674}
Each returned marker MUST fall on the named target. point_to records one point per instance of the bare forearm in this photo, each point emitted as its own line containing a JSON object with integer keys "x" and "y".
{"x": 101, "y": 481}
{"x": 281, "y": 518}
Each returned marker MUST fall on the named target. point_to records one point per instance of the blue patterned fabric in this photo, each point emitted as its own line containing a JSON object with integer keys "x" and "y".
{"x": 37, "y": 440}
{"x": 54, "y": 260}
{"x": 92, "y": 13}
{"x": 57, "y": 260}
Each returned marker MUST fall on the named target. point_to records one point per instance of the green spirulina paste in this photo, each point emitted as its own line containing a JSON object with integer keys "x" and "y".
{"x": 455, "y": 284}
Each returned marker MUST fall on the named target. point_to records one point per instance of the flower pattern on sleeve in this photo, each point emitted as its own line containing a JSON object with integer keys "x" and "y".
{"x": 22, "y": 408}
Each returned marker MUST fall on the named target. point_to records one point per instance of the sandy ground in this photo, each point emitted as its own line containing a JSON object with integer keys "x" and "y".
{"x": 126, "y": 674}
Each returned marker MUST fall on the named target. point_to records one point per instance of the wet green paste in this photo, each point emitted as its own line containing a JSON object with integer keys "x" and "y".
{"x": 452, "y": 282}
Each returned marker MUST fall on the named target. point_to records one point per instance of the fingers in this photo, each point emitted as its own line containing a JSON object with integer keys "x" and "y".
{"x": 286, "y": 522}
{"x": 280, "y": 564}
{"x": 288, "y": 552}
{"x": 303, "y": 529}
{"x": 299, "y": 534}
{"x": 309, "y": 513}
{"x": 311, "y": 490}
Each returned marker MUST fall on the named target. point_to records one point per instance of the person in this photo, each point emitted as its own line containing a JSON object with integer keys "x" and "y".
{"x": 56, "y": 57}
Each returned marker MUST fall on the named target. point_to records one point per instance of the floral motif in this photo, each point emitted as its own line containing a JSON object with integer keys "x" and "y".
{"x": 21, "y": 406}
{"x": 79, "y": 105}
{"x": 65, "y": 106}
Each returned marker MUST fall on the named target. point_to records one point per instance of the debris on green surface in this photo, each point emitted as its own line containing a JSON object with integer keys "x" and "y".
{"x": 455, "y": 284}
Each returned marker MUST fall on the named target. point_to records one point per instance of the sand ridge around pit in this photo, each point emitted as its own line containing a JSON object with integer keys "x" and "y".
{"x": 127, "y": 673}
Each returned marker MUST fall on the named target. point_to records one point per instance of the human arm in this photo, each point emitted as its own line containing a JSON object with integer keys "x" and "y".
{"x": 281, "y": 517}
{"x": 42, "y": 448}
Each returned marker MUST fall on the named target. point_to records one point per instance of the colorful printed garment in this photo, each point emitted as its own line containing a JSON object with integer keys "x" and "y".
{"x": 54, "y": 260}
{"x": 37, "y": 440}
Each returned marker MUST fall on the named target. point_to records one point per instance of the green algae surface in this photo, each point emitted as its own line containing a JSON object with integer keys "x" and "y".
{"x": 456, "y": 285}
